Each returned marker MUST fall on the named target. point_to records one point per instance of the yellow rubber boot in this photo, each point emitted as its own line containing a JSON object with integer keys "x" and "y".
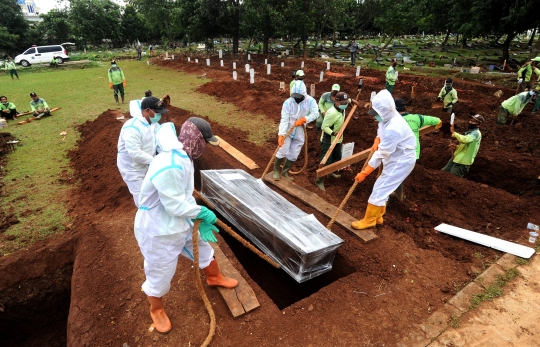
{"x": 370, "y": 219}
{"x": 214, "y": 278}
{"x": 159, "y": 317}
{"x": 380, "y": 219}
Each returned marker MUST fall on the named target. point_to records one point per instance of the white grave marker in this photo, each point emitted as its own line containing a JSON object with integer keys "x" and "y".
{"x": 234, "y": 76}
{"x": 249, "y": 57}
{"x": 251, "y": 72}
{"x": 347, "y": 150}
{"x": 208, "y": 62}
{"x": 220, "y": 54}
{"x": 302, "y": 65}
{"x": 173, "y": 57}
{"x": 452, "y": 119}
{"x": 357, "y": 71}
{"x": 266, "y": 61}
{"x": 166, "y": 54}
{"x": 312, "y": 92}
{"x": 281, "y": 85}
{"x": 221, "y": 63}
{"x": 327, "y": 65}
{"x": 197, "y": 61}
{"x": 282, "y": 64}
{"x": 251, "y": 79}
{"x": 322, "y": 75}
{"x": 234, "y": 66}
{"x": 268, "y": 69}
{"x": 247, "y": 67}
{"x": 188, "y": 58}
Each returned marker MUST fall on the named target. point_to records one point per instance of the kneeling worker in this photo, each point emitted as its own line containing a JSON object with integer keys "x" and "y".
{"x": 167, "y": 211}
{"x": 468, "y": 147}
{"x": 7, "y": 109}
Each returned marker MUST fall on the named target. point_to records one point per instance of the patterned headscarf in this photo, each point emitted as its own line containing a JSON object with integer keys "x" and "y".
{"x": 192, "y": 139}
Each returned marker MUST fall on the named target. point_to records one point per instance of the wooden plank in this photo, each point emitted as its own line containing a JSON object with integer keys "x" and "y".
{"x": 241, "y": 157}
{"x": 30, "y": 112}
{"x": 355, "y": 158}
{"x": 240, "y": 299}
{"x": 344, "y": 219}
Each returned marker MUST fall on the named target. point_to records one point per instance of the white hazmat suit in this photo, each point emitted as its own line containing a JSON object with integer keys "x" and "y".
{"x": 396, "y": 151}
{"x": 136, "y": 149}
{"x": 290, "y": 113}
{"x": 163, "y": 223}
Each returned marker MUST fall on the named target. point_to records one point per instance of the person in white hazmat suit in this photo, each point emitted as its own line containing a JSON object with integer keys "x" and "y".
{"x": 136, "y": 144}
{"x": 167, "y": 210}
{"x": 297, "y": 110}
{"x": 395, "y": 148}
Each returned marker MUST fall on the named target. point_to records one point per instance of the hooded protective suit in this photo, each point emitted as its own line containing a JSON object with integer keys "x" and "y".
{"x": 163, "y": 223}
{"x": 136, "y": 149}
{"x": 396, "y": 151}
{"x": 290, "y": 112}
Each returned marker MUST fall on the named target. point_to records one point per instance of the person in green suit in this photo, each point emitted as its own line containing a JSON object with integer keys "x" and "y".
{"x": 467, "y": 149}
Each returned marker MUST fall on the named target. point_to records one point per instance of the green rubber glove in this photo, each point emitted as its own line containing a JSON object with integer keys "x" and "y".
{"x": 206, "y": 230}
{"x": 207, "y": 216}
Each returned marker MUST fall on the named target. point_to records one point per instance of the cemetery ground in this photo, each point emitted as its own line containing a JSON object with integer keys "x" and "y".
{"x": 75, "y": 278}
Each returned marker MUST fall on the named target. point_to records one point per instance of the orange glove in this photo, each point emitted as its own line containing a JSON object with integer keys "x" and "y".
{"x": 364, "y": 173}
{"x": 300, "y": 121}
{"x": 110, "y": 85}
{"x": 281, "y": 140}
{"x": 125, "y": 84}
{"x": 376, "y": 144}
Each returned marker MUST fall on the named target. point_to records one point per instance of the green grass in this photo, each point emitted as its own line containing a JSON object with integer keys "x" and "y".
{"x": 32, "y": 189}
{"x": 494, "y": 290}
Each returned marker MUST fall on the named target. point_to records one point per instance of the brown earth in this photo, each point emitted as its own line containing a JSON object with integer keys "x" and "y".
{"x": 375, "y": 292}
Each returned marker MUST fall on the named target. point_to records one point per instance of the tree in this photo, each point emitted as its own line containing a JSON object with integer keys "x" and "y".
{"x": 133, "y": 25}
{"x": 161, "y": 15}
{"x": 55, "y": 24}
{"x": 13, "y": 27}
{"x": 95, "y": 20}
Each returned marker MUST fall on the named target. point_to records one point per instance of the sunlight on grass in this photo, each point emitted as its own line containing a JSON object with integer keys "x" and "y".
{"x": 32, "y": 189}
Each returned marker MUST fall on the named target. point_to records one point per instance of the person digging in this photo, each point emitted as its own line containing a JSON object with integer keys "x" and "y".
{"x": 167, "y": 211}
{"x": 395, "y": 148}
{"x": 513, "y": 106}
{"x": 297, "y": 110}
{"x": 416, "y": 122}
{"x": 525, "y": 73}
{"x": 448, "y": 96}
{"x": 466, "y": 151}
{"x": 332, "y": 123}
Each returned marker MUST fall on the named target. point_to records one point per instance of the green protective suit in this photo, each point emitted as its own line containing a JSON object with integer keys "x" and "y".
{"x": 39, "y": 103}
{"x": 517, "y": 103}
{"x": 10, "y": 106}
{"x": 417, "y": 122}
{"x": 391, "y": 76}
{"x": 325, "y": 102}
{"x": 450, "y": 97}
{"x": 333, "y": 120}
{"x": 10, "y": 66}
{"x": 468, "y": 146}
{"x": 526, "y": 72}
{"x": 116, "y": 76}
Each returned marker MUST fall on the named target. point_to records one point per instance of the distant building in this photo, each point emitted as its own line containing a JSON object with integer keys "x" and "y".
{"x": 30, "y": 10}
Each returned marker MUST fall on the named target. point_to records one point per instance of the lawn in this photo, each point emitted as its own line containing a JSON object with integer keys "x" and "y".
{"x": 34, "y": 188}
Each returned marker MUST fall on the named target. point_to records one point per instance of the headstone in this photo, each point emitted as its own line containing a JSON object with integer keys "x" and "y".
{"x": 220, "y": 54}
{"x": 327, "y": 65}
{"x": 312, "y": 91}
{"x": 281, "y": 85}
{"x": 166, "y": 54}
{"x": 234, "y": 75}
{"x": 302, "y": 65}
{"x": 172, "y": 57}
{"x": 252, "y": 72}
{"x": 208, "y": 62}
{"x": 247, "y": 67}
{"x": 287, "y": 52}
{"x": 266, "y": 61}
{"x": 221, "y": 63}
{"x": 234, "y": 66}
{"x": 347, "y": 150}
{"x": 251, "y": 79}
{"x": 322, "y": 75}
{"x": 197, "y": 61}
{"x": 282, "y": 64}
{"x": 249, "y": 57}
{"x": 268, "y": 69}
{"x": 188, "y": 58}
{"x": 357, "y": 71}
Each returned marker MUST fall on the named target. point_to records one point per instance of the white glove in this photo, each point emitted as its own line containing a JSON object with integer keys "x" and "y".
{"x": 520, "y": 81}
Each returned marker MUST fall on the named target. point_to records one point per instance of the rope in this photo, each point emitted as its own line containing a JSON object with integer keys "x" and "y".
{"x": 305, "y": 155}
{"x": 275, "y": 152}
{"x": 351, "y": 190}
{"x": 198, "y": 282}
{"x": 239, "y": 238}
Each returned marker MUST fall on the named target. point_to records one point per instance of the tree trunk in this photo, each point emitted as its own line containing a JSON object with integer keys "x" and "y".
{"x": 464, "y": 41}
{"x": 265, "y": 44}
{"x": 379, "y": 52}
{"x": 445, "y": 42}
{"x": 457, "y": 39}
{"x": 535, "y": 51}
{"x": 506, "y": 45}
{"x": 531, "y": 40}
{"x": 304, "y": 44}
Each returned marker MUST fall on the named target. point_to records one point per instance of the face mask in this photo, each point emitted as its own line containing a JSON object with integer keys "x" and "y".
{"x": 448, "y": 87}
{"x": 156, "y": 118}
{"x": 342, "y": 107}
{"x": 299, "y": 100}
{"x": 378, "y": 118}
{"x": 531, "y": 93}
{"x": 113, "y": 65}
{"x": 472, "y": 126}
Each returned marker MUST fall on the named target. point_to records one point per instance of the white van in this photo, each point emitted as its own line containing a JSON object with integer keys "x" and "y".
{"x": 42, "y": 54}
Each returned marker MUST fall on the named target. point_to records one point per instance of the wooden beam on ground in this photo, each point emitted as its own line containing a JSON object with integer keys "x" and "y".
{"x": 240, "y": 299}
{"x": 355, "y": 158}
{"x": 344, "y": 219}
{"x": 241, "y": 157}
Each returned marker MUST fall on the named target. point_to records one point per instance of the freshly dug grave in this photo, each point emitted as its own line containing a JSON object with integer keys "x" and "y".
{"x": 375, "y": 292}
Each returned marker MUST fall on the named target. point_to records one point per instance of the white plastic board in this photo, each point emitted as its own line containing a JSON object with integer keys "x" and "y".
{"x": 485, "y": 240}
{"x": 347, "y": 150}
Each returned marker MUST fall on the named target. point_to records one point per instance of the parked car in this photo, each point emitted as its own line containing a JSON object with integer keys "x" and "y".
{"x": 42, "y": 54}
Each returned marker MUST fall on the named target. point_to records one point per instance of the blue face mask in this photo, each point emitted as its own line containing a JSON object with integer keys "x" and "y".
{"x": 156, "y": 118}
{"x": 113, "y": 65}
{"x": 342, "y": 107}
{"x": 378, "y": 118}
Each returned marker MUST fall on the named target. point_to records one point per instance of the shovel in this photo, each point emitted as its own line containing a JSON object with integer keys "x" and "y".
{"x": 437, "y": 104}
